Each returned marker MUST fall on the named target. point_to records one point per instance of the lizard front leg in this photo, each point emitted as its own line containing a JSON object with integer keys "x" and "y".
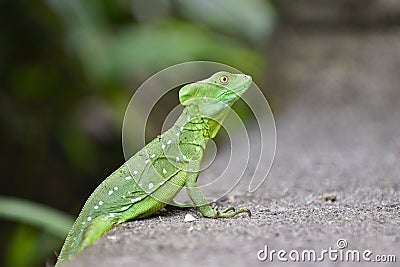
{"x": 201, "y": 203}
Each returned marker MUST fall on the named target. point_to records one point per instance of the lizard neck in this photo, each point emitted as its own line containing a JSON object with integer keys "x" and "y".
{"x": 191, "y": 121}
{"x": 190, "y": 133}
{"x": 188, "y": 121}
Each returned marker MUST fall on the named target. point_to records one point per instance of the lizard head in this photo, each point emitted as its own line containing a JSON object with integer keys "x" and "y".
{"x": 212, "y": 98}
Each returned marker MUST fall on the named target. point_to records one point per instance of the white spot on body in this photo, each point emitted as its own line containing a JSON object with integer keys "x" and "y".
{"x": 128, "y": 178}
{"x": 188, "y": 117}
{"x": 181, "y": 128}
{"x": 101, "y": 203}
{"x": 161, "y": 183}
{"x": 177, "y": 134}
{"x": 153, "y": 156}
{"x": 96, "y": 207}
{"x": 197, "y": 148}
{"x": 184, "y": 157}
{"x": 169, "y": 142}
{"x": 89, "y": 219}
{"x": 151, "y": 185}
{"x": 147, "y": 161}
{"x": 125, "y": 208}
{"x": 115, "y": 188}
{"x": 110, "y": 192}
{"x": 163, "y": 146}
{"x": 164, "y": 171}
{"x": 177, "y": 159}
{"x": 136, "y": 199}
{"x": 111, "y": 215}
{"x": 135, "y": 172}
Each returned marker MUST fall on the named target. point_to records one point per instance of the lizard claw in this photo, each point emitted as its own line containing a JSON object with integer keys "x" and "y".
{"x": 230, "y": 212}
{"x": 228, "y": 209}
{"x": 248, "y": 212}
{"x": 217, "y": 213}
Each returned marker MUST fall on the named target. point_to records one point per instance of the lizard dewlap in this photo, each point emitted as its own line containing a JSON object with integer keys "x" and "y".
{"x": 153, "y": 176}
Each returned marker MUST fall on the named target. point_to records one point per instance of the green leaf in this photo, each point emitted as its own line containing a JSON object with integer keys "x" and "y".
{"x": 252, "y": 19}
{"x": 48, "y": 219}
{"x": 151, "y": 47}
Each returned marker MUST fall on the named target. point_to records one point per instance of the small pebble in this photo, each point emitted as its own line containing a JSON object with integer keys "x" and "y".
{"x": 189, "y": 218}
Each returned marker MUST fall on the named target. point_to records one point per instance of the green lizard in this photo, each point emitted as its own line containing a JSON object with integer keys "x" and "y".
{"x": 153, "y": 176}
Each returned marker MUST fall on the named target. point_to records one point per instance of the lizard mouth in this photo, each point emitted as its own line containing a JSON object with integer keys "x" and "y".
{"x": 245, "y": 85}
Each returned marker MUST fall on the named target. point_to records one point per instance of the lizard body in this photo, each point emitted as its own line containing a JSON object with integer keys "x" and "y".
{"x": 153, "y": 176}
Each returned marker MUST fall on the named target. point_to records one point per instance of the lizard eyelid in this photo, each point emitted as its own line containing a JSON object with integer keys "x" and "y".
{"x": 224, "y": 79}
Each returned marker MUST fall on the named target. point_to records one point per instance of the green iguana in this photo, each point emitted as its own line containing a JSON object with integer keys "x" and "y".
{"x": 153, "y": 176}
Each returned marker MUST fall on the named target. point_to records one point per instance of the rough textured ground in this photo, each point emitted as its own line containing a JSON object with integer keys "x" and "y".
{"x": 336, "y": 98}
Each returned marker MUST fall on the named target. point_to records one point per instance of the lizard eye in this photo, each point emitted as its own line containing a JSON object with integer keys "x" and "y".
{"x": 224, "y": 79}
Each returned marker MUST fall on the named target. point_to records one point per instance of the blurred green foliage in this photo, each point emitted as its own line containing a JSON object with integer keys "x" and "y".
{"x": 67, "y": 71}
{"x": 27, "y": 244}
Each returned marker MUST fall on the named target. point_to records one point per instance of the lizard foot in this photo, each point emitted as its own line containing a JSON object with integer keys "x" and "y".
{"x": 230, "y": 212}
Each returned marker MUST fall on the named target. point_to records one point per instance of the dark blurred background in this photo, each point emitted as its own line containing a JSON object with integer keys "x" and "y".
{"x": 68, "y": 70}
